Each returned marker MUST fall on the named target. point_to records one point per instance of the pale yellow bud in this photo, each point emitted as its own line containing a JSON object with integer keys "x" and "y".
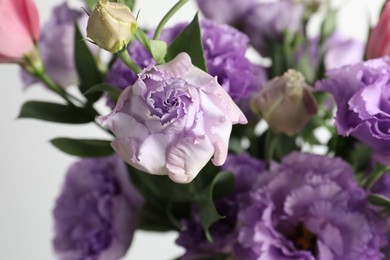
{"x": 111, "y": 25}
{"x": 285, "y": 103}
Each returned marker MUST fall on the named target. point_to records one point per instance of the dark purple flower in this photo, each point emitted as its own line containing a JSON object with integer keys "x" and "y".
{"x": 246, "y": 170}
{"x": 97, "y": 211}
{"x": 362, "y": 94}
{"x": 267, "y": 22}
{"x": 56, "y": 45}
{"x": 224, "y": 48}
{"x": 225, "y": 11}
{"x": 308, "y": 207}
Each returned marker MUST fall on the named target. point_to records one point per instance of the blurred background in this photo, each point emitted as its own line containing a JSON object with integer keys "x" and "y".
{"x": 32, "y": 171}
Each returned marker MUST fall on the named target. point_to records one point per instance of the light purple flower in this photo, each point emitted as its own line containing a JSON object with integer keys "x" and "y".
{"x": 225, "y": 11}
{"x": 308, "y": 207}
{"x": 362, "y": 94}
{"x": 340, "y": 51}
{"x": 224, "y": 48}
{"x": 56, "y": 45}
{"x": 97, "y": 211}
{"x": 173, "y": 120}
{"x": 246, "y": 170}
{"x": 267, "y": 22}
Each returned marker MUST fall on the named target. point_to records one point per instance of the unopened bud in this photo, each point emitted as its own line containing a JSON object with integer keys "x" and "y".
{"x": 285, "y": 103}
{"x": 111, "y": 25}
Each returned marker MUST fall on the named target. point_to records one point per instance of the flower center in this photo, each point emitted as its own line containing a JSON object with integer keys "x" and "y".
{"x": 167, "y": 102}
{"x": 303, "y": 239}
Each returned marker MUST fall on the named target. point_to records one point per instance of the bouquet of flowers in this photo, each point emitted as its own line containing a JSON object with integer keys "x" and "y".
{"x": 246, "y": 134}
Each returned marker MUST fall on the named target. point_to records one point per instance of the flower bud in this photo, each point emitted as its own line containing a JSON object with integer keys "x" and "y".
{"x": 285, "y": 103}
{"x": 378, "y": 44}
{"x": 19, "y": 29}
{"x": 111, "y": 25}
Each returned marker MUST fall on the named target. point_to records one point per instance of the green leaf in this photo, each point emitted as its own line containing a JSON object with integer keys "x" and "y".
{"x": 305, "y": 66}
{"x": 129, "y": 3}
{"x": 379, "y": 200}
{"x": 360, "y": 157}
{"x": 56, "y": 113}
{"x": 112, "y": 91}
{"x": 87, "y": 70}
{"x": 161, "y": 197}
{"x": 157, "y": 48}
{"x": 222, "y": 184}
{"x": 83, "y": 147}
{"x": 189, "y": 41}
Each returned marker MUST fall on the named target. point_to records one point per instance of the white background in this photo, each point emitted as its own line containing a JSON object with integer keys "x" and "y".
{"x": 31, "y": 170}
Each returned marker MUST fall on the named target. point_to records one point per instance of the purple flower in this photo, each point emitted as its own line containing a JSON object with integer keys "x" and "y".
{"x": 246, "y": 171}
{"x": 362, "y": 94}
{"x": 339, "y": 51}
{"x": 308, "y": 207}
{"x": 266, "y": 22}
{"x": 342, "y": 52}
{"x": 97, "y": 211}
{"x": 225, "y": 11}
{"x": 224, "y": 48}
{"x": 173, "y": 120}
{"x": 56, "y": 45}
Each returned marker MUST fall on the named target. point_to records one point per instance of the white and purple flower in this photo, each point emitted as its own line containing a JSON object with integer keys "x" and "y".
{"x": 173, "y": 120}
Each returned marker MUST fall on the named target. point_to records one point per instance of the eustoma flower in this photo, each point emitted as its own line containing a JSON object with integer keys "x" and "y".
{"x": 362, "y": 94}
{"x": 285, "y": 102}
{"x": 309, "y": 207}
{"x": 172, "y": 120}
{"x": 19, "y": 29}
{"x": 111, "y": 25}
{"x": 378, "y": 43}
{"x": 97, "y": 211}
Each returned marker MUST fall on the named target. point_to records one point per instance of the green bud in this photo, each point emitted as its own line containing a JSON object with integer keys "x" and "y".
{"x": 111, "y": 25}
{"x": 285, "y": 103}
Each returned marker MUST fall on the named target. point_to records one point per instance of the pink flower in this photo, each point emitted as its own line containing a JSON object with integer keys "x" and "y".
{"x": 173, "y": 120}
{"x": 19, "y": 29}
{"x": 379, "y": 40}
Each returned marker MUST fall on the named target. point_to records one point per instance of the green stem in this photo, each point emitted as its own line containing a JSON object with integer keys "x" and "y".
{"x": 125, "y": 57}
{"x": 168, "y": 16}
{"x": 375, "y": 176}
{"x": 270, "y": 145}
{"x": 33, "y": 65}
{"x": 54, "y": 86}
